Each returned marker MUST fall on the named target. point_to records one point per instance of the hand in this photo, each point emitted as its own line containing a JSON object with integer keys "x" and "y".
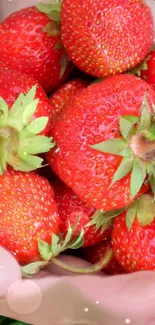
{"x": 55, "y": 297}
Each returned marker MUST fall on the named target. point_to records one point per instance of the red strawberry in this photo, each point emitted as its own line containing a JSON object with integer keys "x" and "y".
{"x": 96, "y": 253}
{"x": 134, "y": 236}
{"x": 28, "y": 212}
{"x": 147, "y": 69}
{"x": 64, "y": 95}
{"x": 106, "y": 37}
{"x": 32, "y": 45}
{"x": 70, "y": 208}
{"x": 27, "y": 102}
{"x": 12, "y": 83}
{"x": 62, "y": 98}
{"x": 91, "y": 143}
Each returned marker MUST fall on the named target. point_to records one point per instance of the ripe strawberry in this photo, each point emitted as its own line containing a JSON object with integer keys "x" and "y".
{"x": 28, "y": 212}
{"x": 70, "y": 208}
{"x": 106, "y": 37}
{"x": 146, "y": 70}
{"x": 96, "y": 253}
{"x": 64, "y": 95}
{"x": 91, "y": 143}
{"x": 133, "y": 236}
{"x": 62, "y": 98}
{"x": 13, "y": 82}
{"x": 32, "y": 45}
{"x": 25, "y": 114}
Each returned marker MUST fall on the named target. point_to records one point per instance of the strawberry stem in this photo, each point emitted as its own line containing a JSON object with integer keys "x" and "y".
{"x": 90, "y": 270}
{"x": 143, "y": 147}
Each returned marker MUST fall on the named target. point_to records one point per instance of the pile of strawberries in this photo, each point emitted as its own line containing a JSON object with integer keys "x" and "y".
{"x": 77, "y": 135}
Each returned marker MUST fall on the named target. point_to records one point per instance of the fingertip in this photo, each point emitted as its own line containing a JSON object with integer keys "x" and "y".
{"x": 9, "y": 271}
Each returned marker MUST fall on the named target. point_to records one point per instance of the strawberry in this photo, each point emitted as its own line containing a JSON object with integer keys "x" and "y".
{"x": 106, "y": 37}
{"x": 146, "y": 70}
{"x": 32, "y": 45}
{"x": 102, "y": 150}
{"x": 133, "y": 236}
{"x": 13, "y": 82}
{"x": 62, "y": 98}
{"x": 25, "y": 115}
{"x": 65, "y": 94}
{"x": 28, "y": 212}
{"x": 96, "y": 253}
{"x": 72, "y": 210}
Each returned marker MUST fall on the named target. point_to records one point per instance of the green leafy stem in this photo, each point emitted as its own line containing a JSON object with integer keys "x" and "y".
{"x": 49, "y": 254}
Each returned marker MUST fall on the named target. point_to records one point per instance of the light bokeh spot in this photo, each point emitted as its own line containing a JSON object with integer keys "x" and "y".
{"x": 24, "y": 297}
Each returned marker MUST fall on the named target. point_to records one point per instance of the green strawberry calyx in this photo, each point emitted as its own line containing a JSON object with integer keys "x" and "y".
{"x": 20, "y": 142}
{"x": 142, "y": 66}
{"x": 102, "y": 220}
{"x": 136, "y": 146}
{"x": 53, "y": 11}
{"x": 49, "y": 254}
{"x": 143, "y": 209}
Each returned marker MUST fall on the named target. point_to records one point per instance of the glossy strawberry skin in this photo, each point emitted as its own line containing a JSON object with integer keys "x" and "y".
{"x": 93, "y": 117}
{"x": 149, "y": 74}
{"x": 28, "y": 212}
{"x": 106, "y": 37}
{"x": 12, "y": 83}
{"x": 28, "y": 48}
{"x": 61, "y": 99}
{"x": 134, "y": 249}
{"x": 70, "y": 208}
{"x": 96, "y": 253}
{"x": 64, "y": 95}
